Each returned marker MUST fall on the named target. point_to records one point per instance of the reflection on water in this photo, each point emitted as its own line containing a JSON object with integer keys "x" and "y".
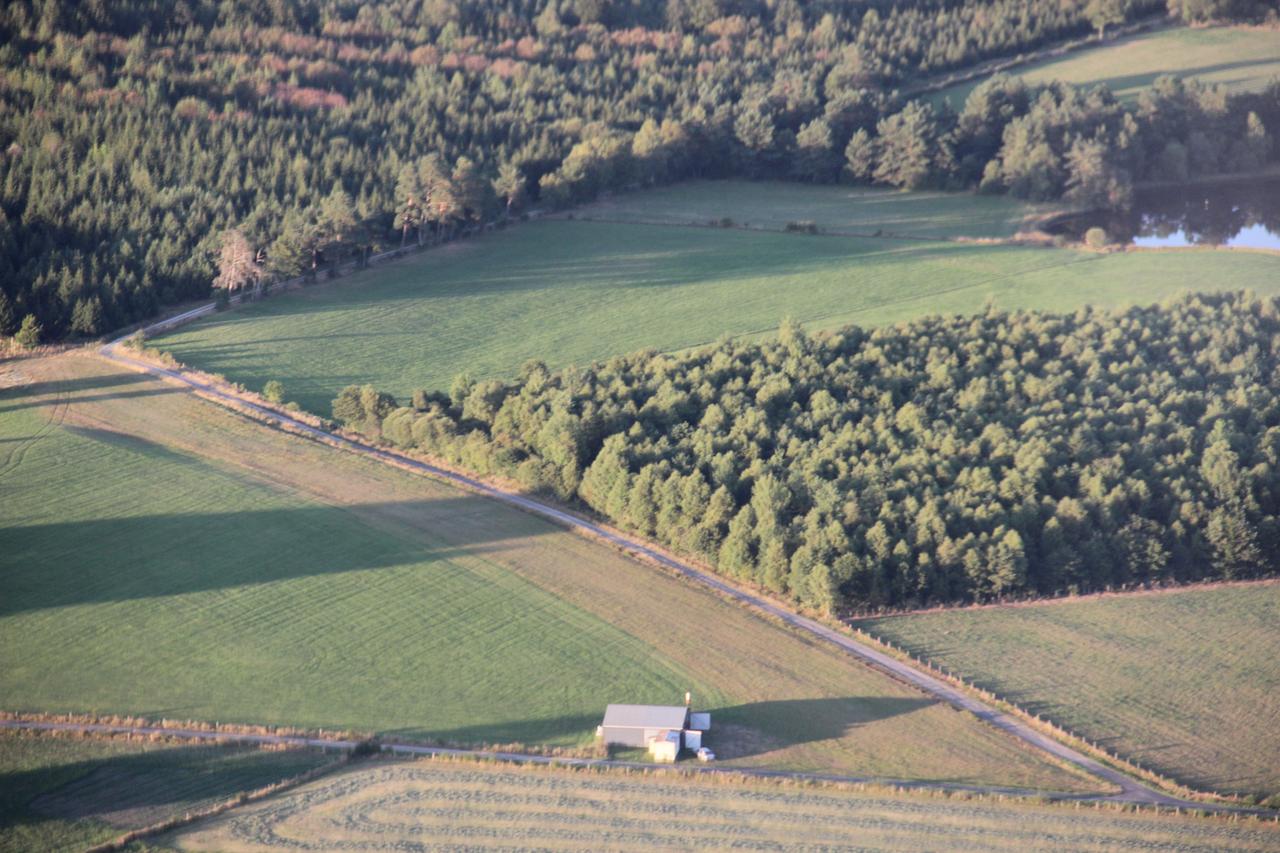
{"x": 1232, "y": 213}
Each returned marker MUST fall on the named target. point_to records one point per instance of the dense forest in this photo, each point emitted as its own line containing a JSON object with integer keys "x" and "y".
{"x": 133, "y": 135}
{"x": 943, "y": 460}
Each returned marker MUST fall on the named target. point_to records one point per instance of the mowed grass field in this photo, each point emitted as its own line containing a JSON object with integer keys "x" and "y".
{"x": 164, "y": 557}
{"x": 836, "y": 209}
{"x": 1239, "y": 58}
{"x": 70, "y": 793}
{"x": 571, "y": 292}
{"x": 1186, "y": 682}
{"x": 442, "y": 805}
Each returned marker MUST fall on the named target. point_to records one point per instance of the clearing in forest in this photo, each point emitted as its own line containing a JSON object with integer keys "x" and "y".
{"x": 437, "y": 803}
{"x": 1243, "y": 59}
{"x": 166, "y": 557}
{"x": 1184, "y": 681}
{"x": 571, "y": 292}
{"x": 773, "y": 205}
{"x": 70, "y": 793}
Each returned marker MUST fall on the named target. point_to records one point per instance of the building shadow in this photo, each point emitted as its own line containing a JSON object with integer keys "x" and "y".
{"x": 755, "y": 728}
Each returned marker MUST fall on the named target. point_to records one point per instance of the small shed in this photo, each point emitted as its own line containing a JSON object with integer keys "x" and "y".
{"x": 665, "y": 747}
{"x": 638, "y": 725}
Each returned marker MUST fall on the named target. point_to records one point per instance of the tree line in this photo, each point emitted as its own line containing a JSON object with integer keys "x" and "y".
{"x": 134, "y": 134}
{"x": 948, "y": 459}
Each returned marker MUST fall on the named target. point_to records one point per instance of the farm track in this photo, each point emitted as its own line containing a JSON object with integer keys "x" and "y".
{"x": 1130, "y": 790}
{"x": 422, "y": 751}
{"x": 12, "y": 460}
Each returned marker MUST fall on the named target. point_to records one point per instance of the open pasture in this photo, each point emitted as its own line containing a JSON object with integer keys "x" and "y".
{"x": 1238, "y": 58}
{"x": 570, "y": 292}
{"x": 772, "y": 205}
{"x": 437, "y": 804}
{"x": 165, "y": 557}
{"x": 69, "y": 793}
{"x": 1186, "y": 682}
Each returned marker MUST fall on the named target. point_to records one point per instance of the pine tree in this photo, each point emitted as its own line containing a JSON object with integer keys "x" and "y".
{"x": 28, "y": 335}
{"x": 8, "y": 317}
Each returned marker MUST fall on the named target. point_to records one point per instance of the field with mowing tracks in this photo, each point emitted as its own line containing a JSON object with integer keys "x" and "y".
{"x": 857, "y": 210}
{"x": 1186, "y": 682}
{"x": 570, "y": 292}
{"x": 166, "y": 558}
{"x": 1239, "y": 58}
{"x": 66, "y": 793}
{"x": 452, "y": 805}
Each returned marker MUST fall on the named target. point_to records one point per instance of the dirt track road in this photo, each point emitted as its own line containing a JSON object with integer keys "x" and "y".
{"x": 1130, "y": 790}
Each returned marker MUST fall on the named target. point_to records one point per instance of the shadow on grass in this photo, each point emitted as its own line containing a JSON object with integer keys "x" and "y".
{"x": 62, "y": 564}
{"x": 755, "y": 728}
{"x": 127, "y": 791}
{"x": 41, "y": 393}
{"x": 737, "y": 731}
{"x": 1147, "y": 79}
{"x": 570, "y": 728}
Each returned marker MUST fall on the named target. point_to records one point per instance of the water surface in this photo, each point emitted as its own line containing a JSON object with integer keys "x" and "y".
{"x": 1236, "y": 214}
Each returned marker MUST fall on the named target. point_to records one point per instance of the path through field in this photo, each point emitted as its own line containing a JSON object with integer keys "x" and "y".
{"x": 1130, "y": 790}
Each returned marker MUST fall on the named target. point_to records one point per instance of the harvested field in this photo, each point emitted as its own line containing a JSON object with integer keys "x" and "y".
{"x": 572, "y": 292}
{"x": 439, "y": 804}
{"x": 67, "y": 793}
{"x": 169, "y": 558}
{"x": 1242, "y": 59}
{"x": 1186, "y": 682}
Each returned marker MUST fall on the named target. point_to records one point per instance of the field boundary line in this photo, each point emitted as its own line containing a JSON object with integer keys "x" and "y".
{"x": 1130, "y": 789}
{"x": 413, "y": 750}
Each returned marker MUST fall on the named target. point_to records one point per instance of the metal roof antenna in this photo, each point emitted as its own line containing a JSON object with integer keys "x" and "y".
{"x": 688, "y": 698}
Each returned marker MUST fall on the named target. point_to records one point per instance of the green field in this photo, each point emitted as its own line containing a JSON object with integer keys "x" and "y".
{"x": 572, "y": 292}
{"x": 436, "y": 804}
{"x": 1185, "y": 682}
{"x": 1239, "y": 58}
{"x": 69, "y": 793}
{"x": 164, "y": 557}
{"x": 835, "y": 209}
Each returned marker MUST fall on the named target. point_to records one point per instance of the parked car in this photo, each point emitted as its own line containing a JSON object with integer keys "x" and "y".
{"x": 705, "y": 754}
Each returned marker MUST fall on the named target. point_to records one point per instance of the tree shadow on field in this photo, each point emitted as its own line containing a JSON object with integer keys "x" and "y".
{"x": 755, "y": 728}
{"x": 61, "y": 564}
{"x": 133, "y": 790}
{"x": 46, "y": 392}
{"x": 1147, "y": 79}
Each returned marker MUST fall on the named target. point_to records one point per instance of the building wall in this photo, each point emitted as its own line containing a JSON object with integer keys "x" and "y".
{"x": 626, "y": 737}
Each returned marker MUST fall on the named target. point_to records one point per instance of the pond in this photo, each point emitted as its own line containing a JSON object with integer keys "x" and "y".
{"x": 1238, "y": 214}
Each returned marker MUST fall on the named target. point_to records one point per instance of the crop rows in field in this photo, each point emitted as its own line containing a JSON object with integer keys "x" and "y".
{"x": 431, "y": 805}
{"x": 1184, "y": 681}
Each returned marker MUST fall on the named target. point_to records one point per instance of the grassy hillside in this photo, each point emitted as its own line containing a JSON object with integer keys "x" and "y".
{"x": 1239, "y": 58}
{"x": 430, "y": 803}
{"x": 774, "y": 204}
{"x": 571, "y": 292}
{"x": 64, "y": 793}
{"x": 165, "y": 557}
{"x": 1185, "y": 682}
